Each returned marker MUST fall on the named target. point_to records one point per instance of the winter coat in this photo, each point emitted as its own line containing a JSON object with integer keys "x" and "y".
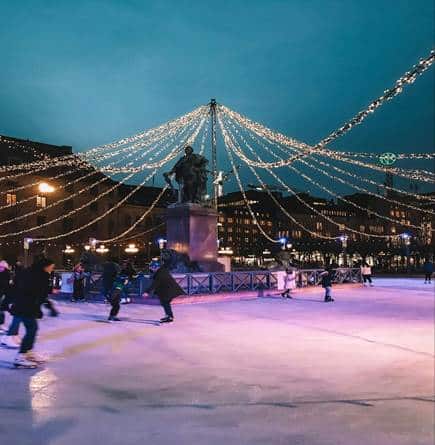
{"x": 5, "y": 278}
{"x": 30, "y": 292}
{"x": 110, "y": 272}
{"x": 366, "y": 270}
{"x": 326, "y": 280}
{"x": 164, "y": 285}
{"x": 428, "y": 267}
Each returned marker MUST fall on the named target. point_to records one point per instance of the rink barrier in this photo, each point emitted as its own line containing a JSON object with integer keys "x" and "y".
{"x": 222, "y": 282}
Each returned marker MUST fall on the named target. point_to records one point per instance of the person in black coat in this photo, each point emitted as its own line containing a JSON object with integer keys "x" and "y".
{"x": 326, "y": 282}
{"x": 165, "y": 287}
{"x": 5, "y": 278}
{"x": 30, "y": 293}
{"x": 110, "y": 272}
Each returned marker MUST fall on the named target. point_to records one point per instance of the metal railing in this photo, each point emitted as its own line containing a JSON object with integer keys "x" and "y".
{"x": 216, "y": 282}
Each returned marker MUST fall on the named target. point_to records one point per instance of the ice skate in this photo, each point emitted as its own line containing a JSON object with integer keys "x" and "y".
{"x": 166, "y": 320}
{"x": 10, "y": 342}
{"x": 21, "y": 361}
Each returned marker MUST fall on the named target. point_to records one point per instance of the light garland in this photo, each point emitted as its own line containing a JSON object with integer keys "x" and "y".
{"x": 86, "y": 188}
{"x": 91, "y": 153}
{"x": 266, "y": 133}
{"x": 190, "y": 139}
{"x": 313, "y": 209}
{"x": 408, "y": 78}
{"x": 332, "y": 193}
{"x": 229, "y": 146}
{"x": 324, "y": 172}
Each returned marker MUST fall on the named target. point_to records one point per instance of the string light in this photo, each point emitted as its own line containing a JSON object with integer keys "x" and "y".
{"x": 324, "y": 172}
{"x": 314, "y": 210}
{"x": 312, "y": 181}
{"x": 190, "y": 139}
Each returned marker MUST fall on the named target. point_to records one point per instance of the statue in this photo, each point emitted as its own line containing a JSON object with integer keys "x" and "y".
{"x": 191, "y": 175}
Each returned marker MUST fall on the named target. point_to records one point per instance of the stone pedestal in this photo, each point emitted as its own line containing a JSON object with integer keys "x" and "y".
{"x": 191, "y": 229}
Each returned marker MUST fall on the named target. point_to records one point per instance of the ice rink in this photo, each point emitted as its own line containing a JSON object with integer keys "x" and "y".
{"x": 267, "y": 371}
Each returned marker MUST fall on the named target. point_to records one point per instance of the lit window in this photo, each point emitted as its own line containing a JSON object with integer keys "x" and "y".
{"x": 41, "y": 201}
{"x": 11, "y": 199}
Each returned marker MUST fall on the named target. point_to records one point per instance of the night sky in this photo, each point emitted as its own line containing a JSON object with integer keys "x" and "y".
{"x": 84, "y": 73}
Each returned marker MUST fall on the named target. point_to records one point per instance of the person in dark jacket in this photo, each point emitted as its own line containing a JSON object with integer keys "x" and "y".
{"x": 110, "y": 272}
{"x": 5, "y": 278}
{"x": 165, "y": 287}
{"x": 428, "y": 271}
{"x": 31, "y": 292}
{"x": 326, "y": 282}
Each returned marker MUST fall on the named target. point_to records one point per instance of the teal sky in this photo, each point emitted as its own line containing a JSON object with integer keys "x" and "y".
{"x": 84, "y": 73}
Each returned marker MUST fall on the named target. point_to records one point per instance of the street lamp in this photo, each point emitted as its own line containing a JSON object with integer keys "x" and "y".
{"x": 102, "y": 249}
{"x": 131, "y": 248}
{"x": 45, "y": 187}
{"x": 68, "y": 250}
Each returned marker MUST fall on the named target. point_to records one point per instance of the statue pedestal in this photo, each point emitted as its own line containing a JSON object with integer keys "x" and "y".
{"x": 191, "y": 229}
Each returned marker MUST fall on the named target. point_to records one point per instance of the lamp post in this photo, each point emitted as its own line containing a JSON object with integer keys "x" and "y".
{"x": 343, "y": 239}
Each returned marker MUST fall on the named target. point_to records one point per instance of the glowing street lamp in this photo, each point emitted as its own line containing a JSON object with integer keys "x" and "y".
{"x": 131, "y": 248}
{"x": 102, "y": 249}
{"x": 45, "y": 187}
{"x": 68, "y": 250}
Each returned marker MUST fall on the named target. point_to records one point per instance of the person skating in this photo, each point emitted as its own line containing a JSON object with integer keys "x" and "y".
{"x": 5, "y": 278}
{"x": 165, "y": 287}
{"x": 326, "y": 282}
{"x": 78, "y": 283}
{"x": 289, "y": 282}
{"x": 115, "y": 296}
{"x": 110, "y": 272}
{"x": 30, "y": 294}
{"x": 366, "y": 272}
{"x": 428, "y": 271}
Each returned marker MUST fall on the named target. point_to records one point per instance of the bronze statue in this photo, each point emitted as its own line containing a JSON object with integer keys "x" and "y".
{"x": 191, "y": 175}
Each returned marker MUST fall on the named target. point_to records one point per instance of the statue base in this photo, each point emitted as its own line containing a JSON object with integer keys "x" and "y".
{"x": 191, "y": 230}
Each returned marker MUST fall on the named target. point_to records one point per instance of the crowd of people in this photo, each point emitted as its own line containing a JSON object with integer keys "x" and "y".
{"x": 24, "y": 292}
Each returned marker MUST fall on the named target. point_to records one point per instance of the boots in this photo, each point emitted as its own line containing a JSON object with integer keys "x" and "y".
{"x": 11, "y": 341}
{"x": 21, "y": 361}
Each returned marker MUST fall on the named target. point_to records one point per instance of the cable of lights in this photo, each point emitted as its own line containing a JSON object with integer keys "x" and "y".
{"x": 324, "y": 188}
{"x": 322, "y": 171}
{"x": 119, "y": 203}
{"x": 307, "y": 150}
{"x": 314, "y": 210}
{"x": 229, "y": 146}
{"x": 157, "y": 131}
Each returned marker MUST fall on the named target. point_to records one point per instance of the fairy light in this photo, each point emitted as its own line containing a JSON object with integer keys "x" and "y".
{"x": 257, "y": 140}
{"x": 314, "y": 210}
{"x": 190, "y": 139}
{"x": 332, "y": 193}
{"x": 264, "y": 132}
{"x": 230, "y": 146}
{"x": 89, "y": 154}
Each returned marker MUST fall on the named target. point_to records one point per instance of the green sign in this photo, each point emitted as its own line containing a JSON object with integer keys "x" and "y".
{"x": 387, "y": 158}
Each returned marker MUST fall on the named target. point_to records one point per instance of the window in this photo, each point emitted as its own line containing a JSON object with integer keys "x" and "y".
{"x": 11, "y": 199}
{"x": 40, "y": 220}
{"x": 41, "y": 201}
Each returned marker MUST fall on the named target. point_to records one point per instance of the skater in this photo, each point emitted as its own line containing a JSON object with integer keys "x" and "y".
{"x": 115, "y": 297}
{"x": 428, "y": 270}
{"x": 128, "y": 273}
{"x": 289, "y": 282}
{"x": 31, "y": 292}
{"x": 110, "y": 272}
{"x": 5, "y": 278}
{"x": 366, "y": 272}
{"x": 326, "y": 282}
{"x": 165, "y": 287}
{"x": 78, "y": 283}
